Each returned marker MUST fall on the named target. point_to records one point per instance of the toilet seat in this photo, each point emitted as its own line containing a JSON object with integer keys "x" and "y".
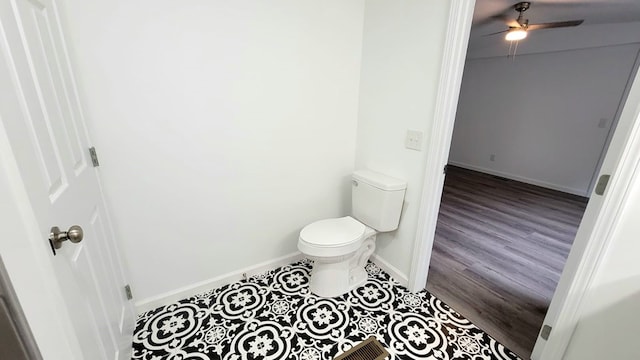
{"x": 331, "y": 237}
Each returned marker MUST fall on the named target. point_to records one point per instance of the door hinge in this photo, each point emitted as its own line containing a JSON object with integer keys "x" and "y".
{"x": 601, "y": 186}
{"x": 546, "y": 330}
{"x": 127, "y": 290}
{"x": 94, "y": 156}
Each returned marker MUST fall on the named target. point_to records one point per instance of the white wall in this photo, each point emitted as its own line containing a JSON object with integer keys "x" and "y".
{"x": 401, "y": 55}
{"x": 539, "y": 114}
{"x": 223, "y": 127}
{"x": 610, "y": 312}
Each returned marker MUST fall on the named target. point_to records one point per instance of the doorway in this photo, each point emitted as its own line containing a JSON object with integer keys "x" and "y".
{"x": 586, "y": 230}
{"x": 500, "y": 235}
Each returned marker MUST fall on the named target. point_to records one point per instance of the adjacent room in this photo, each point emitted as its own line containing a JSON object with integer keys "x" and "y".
{"x": 533, "y": 124}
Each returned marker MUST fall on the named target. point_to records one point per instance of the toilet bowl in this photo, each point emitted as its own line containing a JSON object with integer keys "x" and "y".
{"x": 341, "y": 247}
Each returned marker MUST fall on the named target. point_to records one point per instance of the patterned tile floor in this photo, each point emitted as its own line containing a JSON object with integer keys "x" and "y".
{"x": 274, "y": 316}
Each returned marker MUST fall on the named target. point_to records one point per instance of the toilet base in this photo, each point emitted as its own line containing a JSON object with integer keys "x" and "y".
{"x": 336, "y": 276}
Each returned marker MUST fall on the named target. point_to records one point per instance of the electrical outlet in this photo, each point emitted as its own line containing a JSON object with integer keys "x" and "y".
{"x": 413, "y": 140}
{"x": 492, "y": 157}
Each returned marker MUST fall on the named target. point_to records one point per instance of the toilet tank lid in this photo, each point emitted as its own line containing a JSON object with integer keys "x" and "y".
{"x": 381, "y": 181}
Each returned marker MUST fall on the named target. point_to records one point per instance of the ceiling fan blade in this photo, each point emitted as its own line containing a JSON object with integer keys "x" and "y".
{"x": 503, "y": 18}
{"x": 497, "y": 32}
{"x": 552, "y": 25}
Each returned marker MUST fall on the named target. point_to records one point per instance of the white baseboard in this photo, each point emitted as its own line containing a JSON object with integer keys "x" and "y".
{"x": 390, "y": 269}
{"x": 218, "y": 281}
{"x": 523, "y": 179}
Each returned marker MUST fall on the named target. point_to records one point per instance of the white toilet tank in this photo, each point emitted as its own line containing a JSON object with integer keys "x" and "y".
{"x": 376, "y": 199}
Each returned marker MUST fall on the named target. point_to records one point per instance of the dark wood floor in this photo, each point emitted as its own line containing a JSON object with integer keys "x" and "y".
{"x": 499, "y": 251}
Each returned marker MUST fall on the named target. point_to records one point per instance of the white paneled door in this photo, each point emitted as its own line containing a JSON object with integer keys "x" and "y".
{"x": 41, "y": 114}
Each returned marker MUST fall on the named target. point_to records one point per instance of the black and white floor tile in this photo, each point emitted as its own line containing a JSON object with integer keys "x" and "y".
{"x": 274, "y": 316}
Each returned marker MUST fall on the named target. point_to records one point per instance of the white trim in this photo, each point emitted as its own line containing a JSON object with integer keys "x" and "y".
{"x": 591, "y": 244}
{"x": 390, "y": 269}
{"x": 218, "y": 281}
{"x": 523, "y": 179}
{"x": 439, "y": 141}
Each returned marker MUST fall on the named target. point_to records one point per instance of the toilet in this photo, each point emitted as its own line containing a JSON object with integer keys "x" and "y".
{"x": 340, "y": 247}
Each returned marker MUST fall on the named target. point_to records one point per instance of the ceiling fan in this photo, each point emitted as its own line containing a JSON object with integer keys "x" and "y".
{"x": 519, "y": 27}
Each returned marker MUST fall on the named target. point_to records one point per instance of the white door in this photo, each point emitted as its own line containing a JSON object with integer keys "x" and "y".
{"x": 41, "y": 114}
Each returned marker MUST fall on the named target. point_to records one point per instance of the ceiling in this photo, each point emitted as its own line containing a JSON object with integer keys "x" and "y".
{"x": 541, "y": 11}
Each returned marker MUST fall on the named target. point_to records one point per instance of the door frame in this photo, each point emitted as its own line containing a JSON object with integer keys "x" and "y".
{"x": 564, "y": 312}
{"x": 439, "y": 139}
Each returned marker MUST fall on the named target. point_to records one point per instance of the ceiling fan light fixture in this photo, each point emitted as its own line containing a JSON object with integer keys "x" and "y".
{"x": 516, "y": 34}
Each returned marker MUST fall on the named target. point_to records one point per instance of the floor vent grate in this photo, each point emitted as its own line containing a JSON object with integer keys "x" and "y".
{"x": 370, "y": 349}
